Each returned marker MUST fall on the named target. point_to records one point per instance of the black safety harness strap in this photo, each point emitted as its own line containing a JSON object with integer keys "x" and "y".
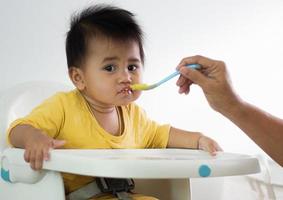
{"x": 118, "y": 187}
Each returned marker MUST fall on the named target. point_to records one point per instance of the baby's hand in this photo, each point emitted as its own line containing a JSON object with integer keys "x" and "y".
{"x": 37, "y": 149}
{"x": 207, "y": 144}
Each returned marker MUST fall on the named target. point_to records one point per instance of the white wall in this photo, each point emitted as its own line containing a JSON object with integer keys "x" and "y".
{"x": 247, "y": 35}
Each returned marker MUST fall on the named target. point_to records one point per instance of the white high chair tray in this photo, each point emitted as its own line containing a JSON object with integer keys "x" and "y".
{"x": 149, "y": 163}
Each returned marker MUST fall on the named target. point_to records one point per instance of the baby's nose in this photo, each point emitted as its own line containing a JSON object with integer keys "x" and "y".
{"x": 125, "y": 76}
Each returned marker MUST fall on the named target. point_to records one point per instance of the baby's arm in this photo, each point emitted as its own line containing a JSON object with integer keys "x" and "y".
{"x": 35, "y": 143}
{"x": 193, "y": 140}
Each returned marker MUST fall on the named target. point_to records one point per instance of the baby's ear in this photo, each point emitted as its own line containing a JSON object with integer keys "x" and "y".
{"x": 76, "y": 76}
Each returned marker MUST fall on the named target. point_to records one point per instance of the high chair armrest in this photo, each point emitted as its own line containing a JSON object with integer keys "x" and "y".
{"x": 14, "y": 169}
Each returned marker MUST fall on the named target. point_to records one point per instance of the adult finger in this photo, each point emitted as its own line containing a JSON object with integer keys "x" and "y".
{"x": 203, "y": 61}
{"x": 194, "y": 75}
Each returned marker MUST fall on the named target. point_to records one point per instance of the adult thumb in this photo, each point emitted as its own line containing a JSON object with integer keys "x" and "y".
{"x": 58, "y": 143}
{"x": 194, "y": 75}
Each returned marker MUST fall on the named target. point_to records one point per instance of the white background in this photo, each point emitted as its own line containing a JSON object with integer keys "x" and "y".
{"x": 247, "y": 35}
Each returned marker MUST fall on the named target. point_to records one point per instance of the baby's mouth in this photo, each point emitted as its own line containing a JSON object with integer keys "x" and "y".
{"x": 126, "y": 91}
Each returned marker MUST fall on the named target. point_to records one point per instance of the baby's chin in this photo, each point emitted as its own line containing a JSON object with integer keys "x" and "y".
{"x": 129, "y": 100}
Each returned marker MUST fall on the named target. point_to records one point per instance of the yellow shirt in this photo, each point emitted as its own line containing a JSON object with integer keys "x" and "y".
{"x": 67, "y": 116}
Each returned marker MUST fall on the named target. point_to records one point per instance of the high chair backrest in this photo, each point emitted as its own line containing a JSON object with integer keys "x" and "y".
{"x": 19, "y": 100}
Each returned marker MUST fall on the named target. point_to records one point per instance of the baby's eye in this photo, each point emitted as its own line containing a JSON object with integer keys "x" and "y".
{"x": 132, "y": 67}
{"x": 110, "y": 68}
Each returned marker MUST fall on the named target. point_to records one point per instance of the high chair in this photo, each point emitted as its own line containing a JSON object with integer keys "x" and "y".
{"x": 163, "y": 173}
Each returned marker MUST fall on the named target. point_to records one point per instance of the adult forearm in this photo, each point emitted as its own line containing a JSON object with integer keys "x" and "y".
{"x": 264, "y": 129}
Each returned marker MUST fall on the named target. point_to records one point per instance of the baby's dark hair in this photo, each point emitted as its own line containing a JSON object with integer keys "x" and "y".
{"x": 112, "y": 22}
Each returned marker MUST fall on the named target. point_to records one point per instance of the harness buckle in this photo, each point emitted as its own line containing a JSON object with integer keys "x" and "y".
{"x": 114, "y": 185}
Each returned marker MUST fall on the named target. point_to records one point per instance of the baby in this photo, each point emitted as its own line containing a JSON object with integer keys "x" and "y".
{"x": 105, "y": 56}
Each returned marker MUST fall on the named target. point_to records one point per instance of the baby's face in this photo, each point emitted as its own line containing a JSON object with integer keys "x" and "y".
{"x": 110, "y": 68}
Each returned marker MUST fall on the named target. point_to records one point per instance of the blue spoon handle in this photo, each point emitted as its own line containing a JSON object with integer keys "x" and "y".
{"x": 194, "y": 66}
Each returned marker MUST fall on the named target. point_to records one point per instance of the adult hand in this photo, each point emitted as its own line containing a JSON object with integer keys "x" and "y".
{"x": 212, "y": 78}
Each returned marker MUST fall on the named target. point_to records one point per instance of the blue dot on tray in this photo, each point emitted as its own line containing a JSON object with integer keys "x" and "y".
{"x": 204, "y": 171}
